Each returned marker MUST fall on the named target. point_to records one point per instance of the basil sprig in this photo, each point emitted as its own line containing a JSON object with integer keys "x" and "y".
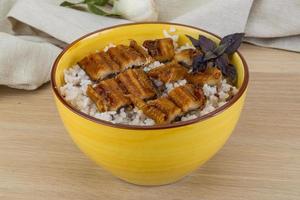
{"x": 216, "y": 55}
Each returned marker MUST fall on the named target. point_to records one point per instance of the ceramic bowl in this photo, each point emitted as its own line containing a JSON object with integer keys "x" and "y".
{"x": 146, "y": 155}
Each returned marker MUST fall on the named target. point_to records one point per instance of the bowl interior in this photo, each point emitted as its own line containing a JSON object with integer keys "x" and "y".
{"x": 122, "y": 34}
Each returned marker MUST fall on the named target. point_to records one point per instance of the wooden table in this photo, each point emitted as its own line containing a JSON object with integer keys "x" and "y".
{"x": 261, "y": 160}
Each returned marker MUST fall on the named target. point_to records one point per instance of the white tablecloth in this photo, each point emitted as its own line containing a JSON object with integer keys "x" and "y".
{"x": 32, "y": 32}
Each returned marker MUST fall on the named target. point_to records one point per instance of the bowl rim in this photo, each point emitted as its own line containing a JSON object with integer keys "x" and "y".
{"x": 209, "y": 115}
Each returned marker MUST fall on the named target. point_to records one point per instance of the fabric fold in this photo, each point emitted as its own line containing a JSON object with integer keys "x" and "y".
{"x": 25, "y": 64}
{"x": 214, "y": 17}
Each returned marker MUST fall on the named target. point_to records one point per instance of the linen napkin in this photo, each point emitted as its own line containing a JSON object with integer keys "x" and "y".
{"x": 33, "y": 32}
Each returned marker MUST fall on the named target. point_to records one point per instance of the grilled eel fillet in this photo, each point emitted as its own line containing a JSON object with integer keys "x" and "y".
{"x": 185, "y": 57}
{"x": 99, "y": 65}
{"x": 151, "y": 111}
{"x": 136, "y": 82}
{"x": 165, "y": 109}
{"x": 108, "y": 95}
{"x": 117, "y": 59}
{"x": 169, "y": 72}
{"x": 211, "y": 76}
{"x": 142, "y": 51}
{"x": 187, "y": 97}
{"x": 160, "y": 49}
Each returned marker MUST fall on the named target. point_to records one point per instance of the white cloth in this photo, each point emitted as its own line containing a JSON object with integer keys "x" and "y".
{"x": 32, "y": 32}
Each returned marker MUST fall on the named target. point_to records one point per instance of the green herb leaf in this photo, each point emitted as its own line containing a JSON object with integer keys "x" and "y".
{"x": 96, "y": 2}
{"x": 98, "y": 11}
{"x": 68, "y": 4}
{"x": 101, "y": 2}
{"x": 94, "y": 6}
{"x": 77, "y": 6}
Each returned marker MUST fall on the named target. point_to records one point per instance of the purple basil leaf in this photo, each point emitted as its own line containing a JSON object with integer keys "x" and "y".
{"x": 221, "y": 49}
{"x": 217, "y": 52}
{"x": 198, "y": 63}
{"x": 222, "y": 63}
{"x": 206, "y": 44}
{"x": 194, "y": 41}
{"x": 232, "y": 42}
{"x": 210, "y": 55}
{"x": 231, "y": 73}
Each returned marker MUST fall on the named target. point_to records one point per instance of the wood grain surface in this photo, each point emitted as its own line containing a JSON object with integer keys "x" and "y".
{"x": 261, "y": 160}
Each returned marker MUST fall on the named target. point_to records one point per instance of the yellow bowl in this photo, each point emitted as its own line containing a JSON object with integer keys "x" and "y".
{"x": 153, "y": 155}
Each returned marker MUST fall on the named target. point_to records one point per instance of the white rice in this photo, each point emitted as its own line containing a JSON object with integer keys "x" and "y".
{"x": 153, "y": 65}
{"x": 185, "y": 46}
{"x": 76, "y": 82}
{"x": 110, "y": 45}
{"x": 171, "y": 86}
{"x": 74, "y": 92}
{"x": 170, "y": 34}
{"x": 157, "y": 83}
{"x": 172, "y": 29}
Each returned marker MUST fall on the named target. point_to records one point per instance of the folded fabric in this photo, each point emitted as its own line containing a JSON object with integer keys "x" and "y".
{"x": 25, "y": 64}
{"x": 32, "y": 32}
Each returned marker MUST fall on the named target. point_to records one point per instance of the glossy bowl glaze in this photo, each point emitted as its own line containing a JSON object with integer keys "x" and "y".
{"x": 153, "y": 155}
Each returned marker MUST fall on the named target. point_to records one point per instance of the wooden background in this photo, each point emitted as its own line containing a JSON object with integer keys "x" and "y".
{"x": 261, "y": 160}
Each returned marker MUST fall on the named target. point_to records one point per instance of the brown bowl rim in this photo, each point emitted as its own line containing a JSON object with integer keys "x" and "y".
{"x": 217, "y": 111}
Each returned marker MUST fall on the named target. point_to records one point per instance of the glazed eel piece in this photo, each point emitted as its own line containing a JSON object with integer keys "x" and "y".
{"x": 169, "y": 72}
{"x": 99, "y": 66}
{"x": 165, "y": 109}
{"x": 160, "y": 49}
{"x": 110, "y": 94}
